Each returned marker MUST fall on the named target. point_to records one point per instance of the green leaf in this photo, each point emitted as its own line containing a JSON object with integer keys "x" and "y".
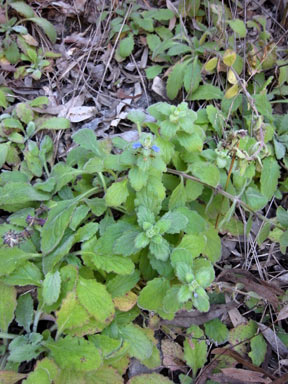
{"x": 120, "y": 285}
{"x": 282, "y": 216}
{"x": 238, "y": 26}
{"x": 192, "y": 76}
{"x": 280, "y": 149}
{"x": 78, "y": 216}
{"x": 27, "y": 274}
{"x": 4, "y": 148}
{"x": 196, "y": 223}
{"x": 103, "y": 375}
{"x": 269, "y": 177}
{"x": 7, "y": 305}
{"x": 24, "y": 311}
{"x": 263, "y": 105}
{"x": 240, "y": 336}
{"x": 63, "y": 248}
{"x": 177, "y": 221}
{"x": 45, "y": 371}
{"x": 125, "y": 47}
{"x": 151, "y": 297}
{"x": 39, "y": 101}
{"x": 195, "y": 349}
{"x": 11, "y": 258}
{"x": 48, "y": 28}
{"x": 204, "y": 272}
{"x": 160, "y": 14}
{"x": 75, "y": 352}
{"x": 175, "y": 80}
{"x": 213, "y": 249}
{"x": 125, "y": 244}
{"x": 206, "y": 92}
{"x": 55, "y": 123}
{"x": 255, "y": 199}
{"x": 152, "y": 71}
{"x": 161, "y": 250}
{"x": 139, "y": 344}
{"x": 195, "y": 244}
{"x": 25, "y": 348}
{"x": 153, "y": 42}
{"x": 206, "y": 172}
{"x": 51, "y": 287}
{"x": 71, "y": 314}
{"x": 3, "y": 100}
{"x": 95, "y": 298}
{"x": 116, "y": 264}
{"x": 117, "y": 194}
{"x": 178, "y": 197}
{"x": 258, "y": 350}
{"x": 149, "y": 378}
{"x": 184, "y": 294}
{"x": 17, "y": 194}
{"x": 57, "y": 221}
{"x": 216, "y": 331}
{"x": 22, "y": 8}
{"x": 87, "y": 139}
{"x": 216, "y": 119}
{"x": 86, "y": 232}
{"x": 201, "y": 300}
{"x": 138, "y": 178}
{"x": 284, "y": 242}
{"x": 192, "y": 142}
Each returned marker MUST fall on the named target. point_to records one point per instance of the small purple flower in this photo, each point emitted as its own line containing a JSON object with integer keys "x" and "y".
{"x": 195, "y": 294}
{"x": 155, "y": 148}
{"x": 137, "y": 145}
{"x": 29, "y": 219}
{"x": 41, "y": 222}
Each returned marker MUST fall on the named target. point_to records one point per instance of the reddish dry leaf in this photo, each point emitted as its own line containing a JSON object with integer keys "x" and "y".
{"x": 247, "y": 376}
{"x": 235, "y": 355}
{"x": 185, "y": 319}
{"x": 172, "y": 355}
{"x": 281, "y": 380}
{"x": 264, "y": 289}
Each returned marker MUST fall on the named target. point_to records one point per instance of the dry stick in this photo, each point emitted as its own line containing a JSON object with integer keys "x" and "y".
{"x": 227, "y": 183}
{"x": 113, "y": 50}
{"x": 220, "y": 190}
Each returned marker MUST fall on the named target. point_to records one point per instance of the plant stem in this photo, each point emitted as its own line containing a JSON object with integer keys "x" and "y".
{"x": 220, "y": 190}
{"x": 4, "y": 335}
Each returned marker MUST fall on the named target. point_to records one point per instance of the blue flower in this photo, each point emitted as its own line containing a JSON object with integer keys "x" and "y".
{"x": 155, "y": 148}
{"x": 195, "y": 294}
{"x": 136, "y": 145}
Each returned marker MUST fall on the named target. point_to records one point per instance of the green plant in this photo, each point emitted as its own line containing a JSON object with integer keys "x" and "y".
{"x": 18, "y": 128}
{"x": 15, "y": 38}
{"x": 104, "y": 221}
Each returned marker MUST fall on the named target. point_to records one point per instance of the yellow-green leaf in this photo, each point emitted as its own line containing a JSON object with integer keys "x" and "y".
{"x": 232, "y": 91}
{"x": 229, "y": 57}
{"x": 7, "y": 305}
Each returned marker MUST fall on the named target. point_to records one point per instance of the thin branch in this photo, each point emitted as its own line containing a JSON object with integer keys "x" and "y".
{"x": 219, "y": 189}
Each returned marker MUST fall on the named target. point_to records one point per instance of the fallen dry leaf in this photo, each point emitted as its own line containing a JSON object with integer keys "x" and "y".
{"x": 283, "y": 314}
{"x": 246, "y": 376}
{"x": 172, "y": 355}
{"x": 276, "y": 344}
{"x": 235, "y": 355}
{"x": 185, "y": 319}
{"x": 264, "y": 289}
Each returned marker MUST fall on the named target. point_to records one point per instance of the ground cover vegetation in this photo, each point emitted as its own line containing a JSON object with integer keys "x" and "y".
{"x": 143, "y": 192}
